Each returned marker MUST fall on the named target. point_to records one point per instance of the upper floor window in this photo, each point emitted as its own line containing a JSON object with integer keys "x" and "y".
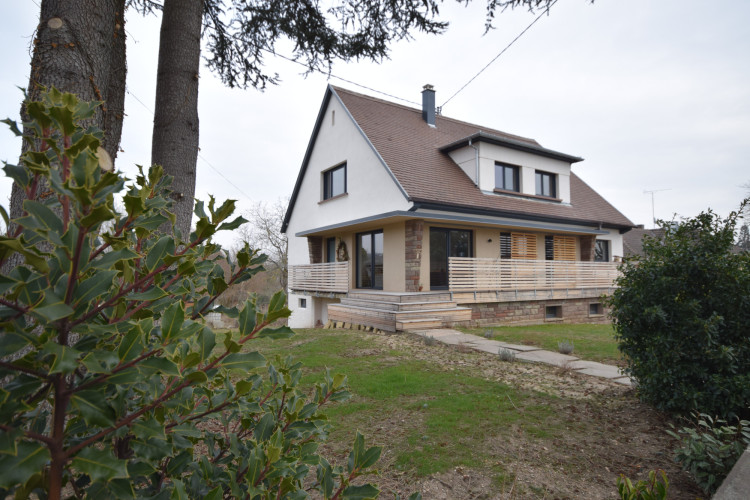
{"x": 506, "y": 177}
{"x": 601, "y": 251}
{"x": 546, "y": 184}
{"x": 334, "y": 181}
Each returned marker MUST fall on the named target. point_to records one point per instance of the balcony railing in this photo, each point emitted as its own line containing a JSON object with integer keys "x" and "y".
{"x": 474, "y": 274}
{"x": 327, "y": 277}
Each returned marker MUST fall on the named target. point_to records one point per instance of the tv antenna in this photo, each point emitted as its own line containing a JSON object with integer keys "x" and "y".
{"x": 651, "y": 192}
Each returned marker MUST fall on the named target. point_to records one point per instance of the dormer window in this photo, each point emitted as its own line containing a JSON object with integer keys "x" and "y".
{"x": 546, "y": 184}
{"x": 506, "y": 177}
{"x": 334, "y": 182}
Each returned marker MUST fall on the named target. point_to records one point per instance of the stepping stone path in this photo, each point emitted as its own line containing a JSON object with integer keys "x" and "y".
{"x": 528, "y": 353}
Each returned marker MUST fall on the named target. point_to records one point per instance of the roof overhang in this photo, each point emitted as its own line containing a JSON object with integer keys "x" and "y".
{"x": 433, "y": 215}
{"x": 511, "y": 144}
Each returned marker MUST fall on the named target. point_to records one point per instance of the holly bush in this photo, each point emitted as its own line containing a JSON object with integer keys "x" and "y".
{"x": 112, "y": 386}
{"x": 681, "y": 316}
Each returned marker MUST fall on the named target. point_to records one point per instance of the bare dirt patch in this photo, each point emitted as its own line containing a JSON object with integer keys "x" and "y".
{"x": 602, "y": 431}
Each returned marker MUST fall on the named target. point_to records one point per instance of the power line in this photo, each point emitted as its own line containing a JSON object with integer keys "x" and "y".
{"x": 546, "y": 11}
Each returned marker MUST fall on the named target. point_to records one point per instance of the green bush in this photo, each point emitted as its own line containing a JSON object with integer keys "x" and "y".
{"x": 112, "y": 386}
{"x": 710, "y": 449}
{"x": 681, "y": 316}
{"x": 655, "y": 488}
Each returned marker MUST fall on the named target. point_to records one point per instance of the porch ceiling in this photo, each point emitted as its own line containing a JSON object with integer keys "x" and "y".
{"x": 379, "y": 220}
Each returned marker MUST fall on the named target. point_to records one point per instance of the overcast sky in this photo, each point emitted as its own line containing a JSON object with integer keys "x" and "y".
{"x": 655, "y": 96}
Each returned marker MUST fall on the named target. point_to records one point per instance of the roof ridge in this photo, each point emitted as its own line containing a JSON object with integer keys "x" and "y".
{"x": 441, "y": 117}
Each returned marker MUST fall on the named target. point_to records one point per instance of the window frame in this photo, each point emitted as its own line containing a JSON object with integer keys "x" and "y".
{"x": 539, "y": 176}
{"x": 606, "y": 256}
{"x": 328, "y": 184}
{"x": 501, "y": 167}
{"x": 330, "y": 245}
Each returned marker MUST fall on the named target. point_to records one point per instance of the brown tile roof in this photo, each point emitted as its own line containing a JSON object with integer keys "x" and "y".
{"x": 632, "y": 241}
{"x": 412, "y": 150}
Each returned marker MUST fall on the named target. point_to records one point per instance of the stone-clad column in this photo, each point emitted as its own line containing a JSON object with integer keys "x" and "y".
{"x": 315, "y": 247}
{"x": 413, "y": 254}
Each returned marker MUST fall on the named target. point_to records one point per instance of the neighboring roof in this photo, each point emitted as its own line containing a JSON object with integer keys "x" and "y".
{"x": 415, "y": 153}
{"x": 632, "y": 241}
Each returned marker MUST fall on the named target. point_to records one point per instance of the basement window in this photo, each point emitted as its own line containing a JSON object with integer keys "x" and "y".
{"x": 303, "y": 303}
{"x": 595, "y": 309}
{"x": 553, "y": 312}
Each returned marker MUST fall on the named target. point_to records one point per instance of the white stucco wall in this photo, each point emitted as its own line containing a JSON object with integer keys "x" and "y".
{"x": 615, "y": 243}
{"x": 529, "y": 163}
{"x": 370, "y": 189}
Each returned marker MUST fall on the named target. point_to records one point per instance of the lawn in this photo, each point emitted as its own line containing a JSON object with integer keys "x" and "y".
{"x": 456, "y": 423}
{"x": 592, "y": 342}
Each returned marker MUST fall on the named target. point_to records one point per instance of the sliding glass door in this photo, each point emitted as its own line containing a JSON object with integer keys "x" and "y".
{"x": 370, "y": 260}
{"x": 446, "y": 243}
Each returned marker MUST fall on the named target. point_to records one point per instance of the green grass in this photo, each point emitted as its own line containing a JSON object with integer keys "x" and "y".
{"x": 441, "y": 417}
{"x": 592, "y": 342}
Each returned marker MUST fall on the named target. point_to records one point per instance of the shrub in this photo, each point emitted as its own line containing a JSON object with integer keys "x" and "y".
{"x": 710, "y": 448}
{"x": 112, "y": 385}
{"x": 655, "y": 488}
{"x": 506, "y": 355}
{"x": 565, "y": 347}
{"x": 680, "y": 315}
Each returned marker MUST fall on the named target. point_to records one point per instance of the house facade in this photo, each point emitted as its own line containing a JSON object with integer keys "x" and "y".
{"x": 404, "y": 219}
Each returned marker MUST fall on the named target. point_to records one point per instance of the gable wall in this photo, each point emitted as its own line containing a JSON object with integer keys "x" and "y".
{"x": 370, "y": 188}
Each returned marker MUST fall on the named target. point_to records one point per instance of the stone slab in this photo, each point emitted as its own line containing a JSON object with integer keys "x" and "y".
{"x": 546, "y": 357}
{"x": 736, "y": 486}
{"x": 596, "y": 369}
{"x": 623, "y": 381}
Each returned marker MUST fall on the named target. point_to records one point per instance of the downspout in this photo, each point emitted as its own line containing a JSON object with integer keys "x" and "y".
{"x": 476, "y": 161}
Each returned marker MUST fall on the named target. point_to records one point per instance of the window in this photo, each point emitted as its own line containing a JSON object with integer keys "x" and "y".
{"x": 553, "y": 312}
{"x": 330, "y": 249}
{"x": 595, "y": 309}
{"x": 601, "y": 251}
{"x": 370, "y": 260}
{"x": 517, "y": 246}
{"x": 334, "y": 182}
{"x": 546, "y": 184}
{"x": 559, "y": 247}
{"x": 506, "y": 177}
{"x": 303, "y": 303}
{"x": 505, "y": 245}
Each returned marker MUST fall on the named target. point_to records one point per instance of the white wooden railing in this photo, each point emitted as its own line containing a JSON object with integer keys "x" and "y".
{"x": 326, "y": 277}
{"x": 474, "y": 274}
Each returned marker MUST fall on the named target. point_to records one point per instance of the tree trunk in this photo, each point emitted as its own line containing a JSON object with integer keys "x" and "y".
{"x": 80, "y": 48}
{"x": 174, "y": 144}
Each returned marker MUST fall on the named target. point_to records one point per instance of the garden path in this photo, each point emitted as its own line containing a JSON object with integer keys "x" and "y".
{"x": 528, "y": 353}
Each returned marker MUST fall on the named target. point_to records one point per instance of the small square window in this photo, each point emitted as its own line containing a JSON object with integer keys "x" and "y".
{"x": 553, "y": 312}
{"x": 595, "y": 309}
{"x": 506, "y": 177}
{"x": 546, "y": 184}
{"x": 303, "y": 303}
{"x": 334, "y": 182}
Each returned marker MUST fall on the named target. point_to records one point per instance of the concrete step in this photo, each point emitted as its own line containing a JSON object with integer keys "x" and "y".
{"x": 455, "y": 314}
{"x": 402, "y": 297}
{"x": 396, "y": 306}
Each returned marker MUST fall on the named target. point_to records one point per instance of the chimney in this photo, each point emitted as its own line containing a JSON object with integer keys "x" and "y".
{"x": 428, "y": 104}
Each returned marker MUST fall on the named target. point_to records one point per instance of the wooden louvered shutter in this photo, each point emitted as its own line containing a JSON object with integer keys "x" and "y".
{"x": 564, "y": 247}
{"x": 523, "y": 246}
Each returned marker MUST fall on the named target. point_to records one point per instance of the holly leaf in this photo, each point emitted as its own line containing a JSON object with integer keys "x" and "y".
{"x": 244, "y": 362}
{"x": 100, "y": 465}
{"x": 94, "y": 408}
{"x": 29, "y": 459}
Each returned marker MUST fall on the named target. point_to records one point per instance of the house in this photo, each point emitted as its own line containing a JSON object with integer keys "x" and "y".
{"x": 632, "y": 241}
{"x": 405, "y": 219}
